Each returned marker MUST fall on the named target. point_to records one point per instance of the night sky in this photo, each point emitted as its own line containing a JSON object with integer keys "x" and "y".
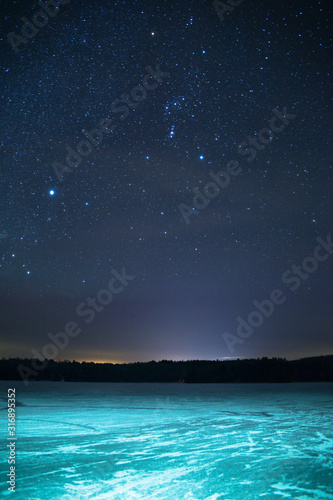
{"x": 193, "y": 266}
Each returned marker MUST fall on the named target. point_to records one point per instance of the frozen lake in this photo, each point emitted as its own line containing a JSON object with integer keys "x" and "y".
{"x": 171, "y": 441}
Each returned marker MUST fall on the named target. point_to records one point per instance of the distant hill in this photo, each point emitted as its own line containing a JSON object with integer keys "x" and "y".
{"x": 316, "y": 369}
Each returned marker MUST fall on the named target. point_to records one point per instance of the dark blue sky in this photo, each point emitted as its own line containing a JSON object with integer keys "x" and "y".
{"x": 65, "y": 228}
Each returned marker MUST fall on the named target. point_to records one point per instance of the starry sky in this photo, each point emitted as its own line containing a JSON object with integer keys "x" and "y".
{"x": 223, "y": 75}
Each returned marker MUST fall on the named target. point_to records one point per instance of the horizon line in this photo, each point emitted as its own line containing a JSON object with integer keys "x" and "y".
{"x": 219, "y": 360}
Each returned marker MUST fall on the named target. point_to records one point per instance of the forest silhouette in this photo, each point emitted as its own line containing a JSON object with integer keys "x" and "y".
{"x": 314, "y": 369}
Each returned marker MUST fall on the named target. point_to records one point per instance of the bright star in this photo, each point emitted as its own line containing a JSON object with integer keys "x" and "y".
{"x": 51, "y": 193}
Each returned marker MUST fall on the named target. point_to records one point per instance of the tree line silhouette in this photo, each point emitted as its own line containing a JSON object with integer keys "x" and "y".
{"x": 315, "y": 369}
